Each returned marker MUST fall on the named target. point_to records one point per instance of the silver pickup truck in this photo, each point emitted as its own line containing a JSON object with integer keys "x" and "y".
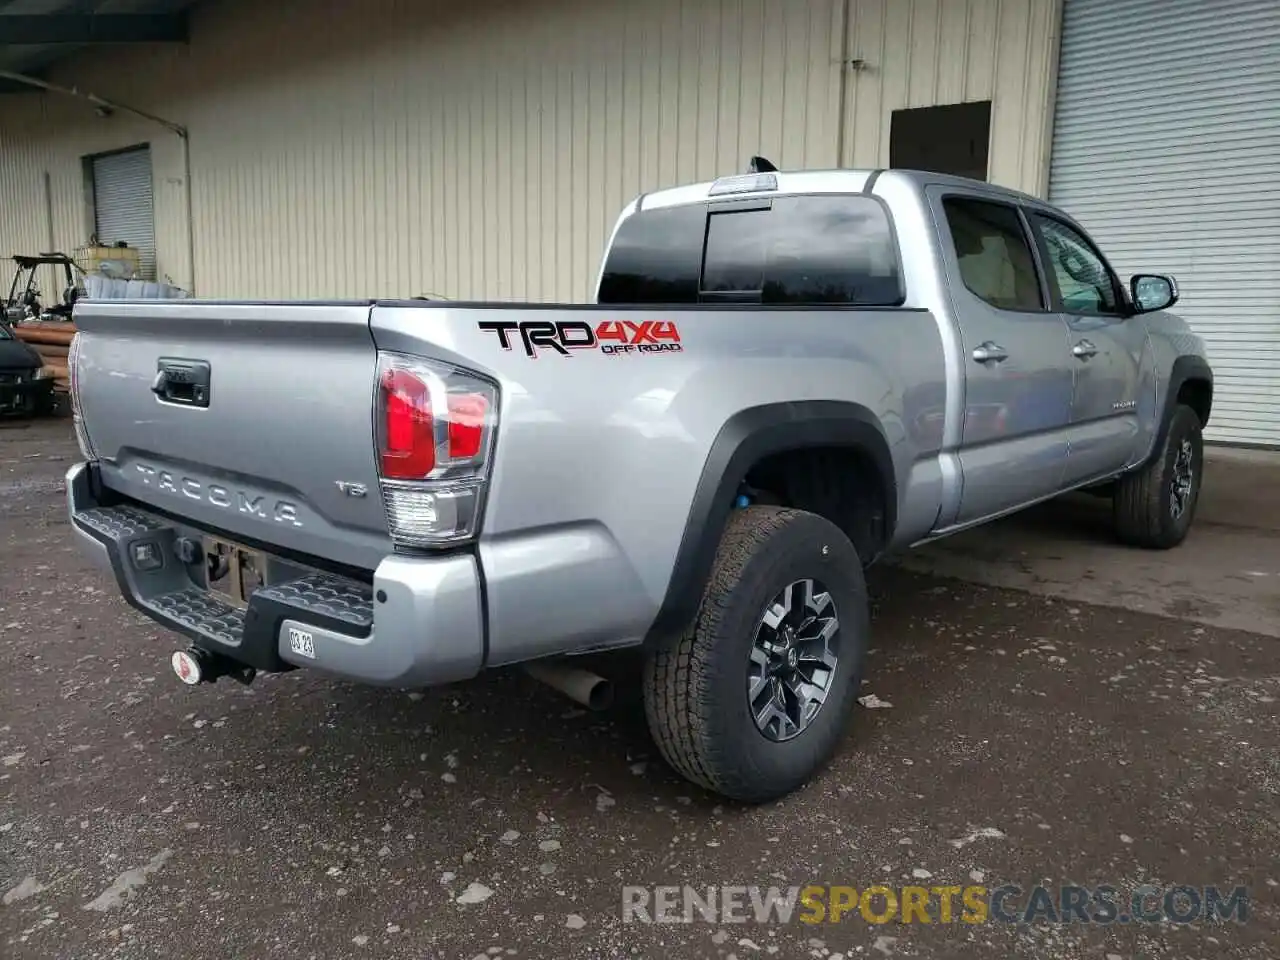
{"x": 785, "y": 376}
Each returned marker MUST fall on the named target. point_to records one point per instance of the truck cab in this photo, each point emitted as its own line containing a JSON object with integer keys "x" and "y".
{"x": 1052, "y": 377}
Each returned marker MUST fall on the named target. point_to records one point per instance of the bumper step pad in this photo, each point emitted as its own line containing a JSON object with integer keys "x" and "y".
{"x": 196, "y": 610}
{"x": 120, "y": 524}
{"x": 348, "y": 601}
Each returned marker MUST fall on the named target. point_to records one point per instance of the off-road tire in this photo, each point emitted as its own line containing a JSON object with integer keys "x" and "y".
{"x": 1141, "y": 507}
{"x": 695, "y": 686}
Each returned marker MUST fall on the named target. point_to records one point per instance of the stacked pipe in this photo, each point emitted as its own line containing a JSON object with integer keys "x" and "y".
{"x": 52, "y": 340}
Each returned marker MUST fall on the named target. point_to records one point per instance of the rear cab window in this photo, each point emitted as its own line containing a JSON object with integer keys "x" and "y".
{"x": 819, "y": 250}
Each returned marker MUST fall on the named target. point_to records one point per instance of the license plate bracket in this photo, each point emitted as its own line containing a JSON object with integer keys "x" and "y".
{"x": 233, "y": 571}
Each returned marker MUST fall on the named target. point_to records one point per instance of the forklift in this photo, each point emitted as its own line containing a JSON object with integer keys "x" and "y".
{"x": 24, "y": 303}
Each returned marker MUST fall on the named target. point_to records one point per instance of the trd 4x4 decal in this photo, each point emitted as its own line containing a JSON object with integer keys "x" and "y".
{"x": 609, "y": 336}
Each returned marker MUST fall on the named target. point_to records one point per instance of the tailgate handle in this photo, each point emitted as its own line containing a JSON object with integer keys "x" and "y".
{"x": 184, "y": 382}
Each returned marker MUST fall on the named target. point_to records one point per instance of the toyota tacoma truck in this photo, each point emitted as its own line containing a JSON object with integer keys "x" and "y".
{"x": 784, "y": 377}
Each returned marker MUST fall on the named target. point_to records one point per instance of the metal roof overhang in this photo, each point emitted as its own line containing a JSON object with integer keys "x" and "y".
{"x": 37, "y": 34}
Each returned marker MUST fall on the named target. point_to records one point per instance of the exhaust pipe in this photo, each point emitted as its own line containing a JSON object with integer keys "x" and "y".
{"x": 582, "y": 686}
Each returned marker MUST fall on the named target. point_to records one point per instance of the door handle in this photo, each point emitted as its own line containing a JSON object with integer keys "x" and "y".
{"x": 990, "y": 352}
{"x": 1083, "y": 350}
{"x": 183, "y": 382}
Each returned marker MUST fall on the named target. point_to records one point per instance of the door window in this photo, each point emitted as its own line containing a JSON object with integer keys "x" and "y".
{"x": 993, "y": 253}
{"x": 1085, "y": 285}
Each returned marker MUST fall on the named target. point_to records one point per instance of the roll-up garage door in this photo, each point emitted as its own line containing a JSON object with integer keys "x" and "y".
{"x": 122, "y": 204}
{"x": 1167, "y": 147}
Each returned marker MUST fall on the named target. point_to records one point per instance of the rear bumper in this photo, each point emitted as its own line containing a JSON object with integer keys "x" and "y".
{"x": 419, "y": 623}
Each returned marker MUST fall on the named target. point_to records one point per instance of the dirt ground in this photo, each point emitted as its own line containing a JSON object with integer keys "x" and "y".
{"x": 1050, "y": 710}
{"x": 1227, "y": 574}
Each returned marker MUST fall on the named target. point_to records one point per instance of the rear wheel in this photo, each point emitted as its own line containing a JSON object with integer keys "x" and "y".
{"x": 753, "y": 699}
{"x": 1154, "y": 507}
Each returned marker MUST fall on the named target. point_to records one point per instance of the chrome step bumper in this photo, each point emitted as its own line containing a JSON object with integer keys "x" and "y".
{"x": 418, "y": 623}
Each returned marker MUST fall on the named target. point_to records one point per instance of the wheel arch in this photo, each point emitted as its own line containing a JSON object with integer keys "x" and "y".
{"x": 1190, "y": 382}
{"x": 748, "y": 438}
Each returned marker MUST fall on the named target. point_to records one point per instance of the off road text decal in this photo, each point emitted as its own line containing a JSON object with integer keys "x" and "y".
{"x": 609, "y": 336}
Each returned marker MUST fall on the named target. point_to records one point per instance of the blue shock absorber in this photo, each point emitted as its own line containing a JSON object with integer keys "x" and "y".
{"x": 741, "y": 502}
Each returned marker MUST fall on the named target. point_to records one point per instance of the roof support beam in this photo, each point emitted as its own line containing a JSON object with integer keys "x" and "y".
{"x": 92, "y": 28}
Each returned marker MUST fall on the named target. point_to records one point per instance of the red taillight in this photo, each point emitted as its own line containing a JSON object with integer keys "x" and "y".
{"x": 434, "y": 426}
{"x": 433, "y": 420}
{"x": 467, "y": 413}
{"x": 408, "y": 427}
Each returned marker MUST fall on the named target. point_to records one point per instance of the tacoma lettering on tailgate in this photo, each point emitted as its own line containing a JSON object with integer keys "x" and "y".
{"x": 225, "y": 498}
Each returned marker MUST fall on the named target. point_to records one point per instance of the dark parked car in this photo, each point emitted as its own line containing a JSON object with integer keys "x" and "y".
{"x": 23, "y": 388}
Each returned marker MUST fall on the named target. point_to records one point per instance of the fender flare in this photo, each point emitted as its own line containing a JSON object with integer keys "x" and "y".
{"x": 746, "y": 438}
{"x": 1188, "y": 367}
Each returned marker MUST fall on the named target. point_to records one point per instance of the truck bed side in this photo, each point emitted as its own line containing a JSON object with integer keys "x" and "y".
{"x": 601, "y": 452}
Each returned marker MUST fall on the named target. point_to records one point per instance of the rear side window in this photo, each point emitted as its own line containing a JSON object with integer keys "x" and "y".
{"x": 819, "y": 250}
{"x": 655, "y": 257}
{"x": 993, "y": 253}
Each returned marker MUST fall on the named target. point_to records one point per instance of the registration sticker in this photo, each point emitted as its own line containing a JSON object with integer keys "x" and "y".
{"x": 302, "y": 643}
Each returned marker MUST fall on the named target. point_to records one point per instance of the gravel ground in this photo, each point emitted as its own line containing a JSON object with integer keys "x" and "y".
{"x": 1014, "y": 739}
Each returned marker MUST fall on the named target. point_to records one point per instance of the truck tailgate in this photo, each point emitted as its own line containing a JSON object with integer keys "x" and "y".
{"x": 252, "y": 419}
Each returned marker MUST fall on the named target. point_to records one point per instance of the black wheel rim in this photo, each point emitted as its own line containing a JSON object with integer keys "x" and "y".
{"x": 793, "y": 660}
{"x": 1182, "y": 484}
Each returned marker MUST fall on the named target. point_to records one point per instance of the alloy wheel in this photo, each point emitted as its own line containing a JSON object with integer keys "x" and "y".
{"x": 794, "y": 656}
{"x": 1183, "y": 480}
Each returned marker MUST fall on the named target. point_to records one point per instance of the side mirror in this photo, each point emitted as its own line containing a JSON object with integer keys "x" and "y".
{"x": 1152, "y": 292}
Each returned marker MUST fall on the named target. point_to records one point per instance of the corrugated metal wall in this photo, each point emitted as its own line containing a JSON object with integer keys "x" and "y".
{"x": 40, "y": 134}
{"x": 486, "y": 155}
{"x": 484, "y": 150}
{"x": 918, "y": 53}
{"x": 1168, "y": 150}
{"x": 123, "y": 210}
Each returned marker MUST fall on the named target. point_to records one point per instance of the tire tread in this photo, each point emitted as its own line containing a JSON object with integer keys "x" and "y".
{"x": 1138, "y": 512}
{"x": 681, "y": 676}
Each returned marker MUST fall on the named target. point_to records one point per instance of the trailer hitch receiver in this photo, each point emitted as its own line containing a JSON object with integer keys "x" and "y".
{"x": 196, "y": 665}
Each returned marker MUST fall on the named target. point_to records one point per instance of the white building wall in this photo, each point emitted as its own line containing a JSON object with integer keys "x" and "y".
{"x": 396, "y": 147}
{"x": 919, "y": 53}
{"x": 42, "y": 135}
